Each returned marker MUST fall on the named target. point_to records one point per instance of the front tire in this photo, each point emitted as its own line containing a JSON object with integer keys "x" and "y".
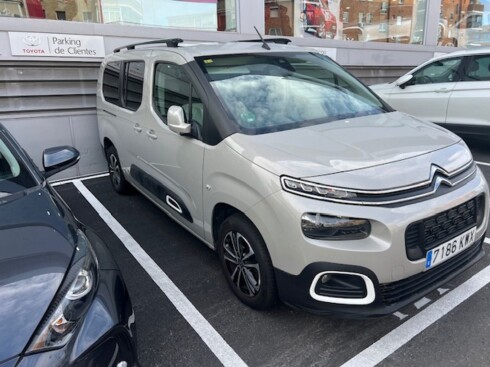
{"x": 116, "y": 175}
{"x": 246, "y": 262}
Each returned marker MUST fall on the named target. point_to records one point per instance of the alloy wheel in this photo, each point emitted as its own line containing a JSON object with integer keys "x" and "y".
{"x": 114, "y": 170}
{"x": 241, "y": 263}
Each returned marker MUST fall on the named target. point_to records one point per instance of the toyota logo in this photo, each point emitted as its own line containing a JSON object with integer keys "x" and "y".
{"x": 32, "y": 40}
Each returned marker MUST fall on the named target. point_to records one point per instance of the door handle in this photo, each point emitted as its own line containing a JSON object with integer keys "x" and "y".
{"x": 442, "y": 90}
{"x": 151, "y": 134}
{"x": 137, "y": 128}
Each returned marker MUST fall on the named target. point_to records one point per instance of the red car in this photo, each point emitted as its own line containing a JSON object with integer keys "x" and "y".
{"x": 319, "y": 20}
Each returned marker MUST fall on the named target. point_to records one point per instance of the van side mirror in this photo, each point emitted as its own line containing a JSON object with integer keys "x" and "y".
{"x": 57, "y": 159}
{"x": 403, "y": 80}
{"x": 176, "y": 120}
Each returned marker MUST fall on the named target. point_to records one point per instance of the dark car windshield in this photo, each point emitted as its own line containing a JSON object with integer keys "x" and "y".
{"x": 14, "y": 175}
{"x": 276, "y": 91}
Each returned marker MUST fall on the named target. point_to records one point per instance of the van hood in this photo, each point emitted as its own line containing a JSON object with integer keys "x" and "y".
{"x": 344, "y": 145}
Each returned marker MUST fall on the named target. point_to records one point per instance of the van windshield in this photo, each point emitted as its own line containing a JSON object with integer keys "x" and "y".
{"x": 268, "y": 92}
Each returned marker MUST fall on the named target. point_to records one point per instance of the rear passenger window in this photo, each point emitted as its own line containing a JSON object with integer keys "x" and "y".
{"x": 478, "y": 68}
{"x": 111, "y": 85}
{"x": 133, "y": 84}
{"x": 173, "y": 88}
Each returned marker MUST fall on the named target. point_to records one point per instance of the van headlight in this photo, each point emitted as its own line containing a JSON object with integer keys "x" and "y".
{"x": 71, "y": 302}
{"x": 326, "y": 227}
{"x": 316, "y": 191}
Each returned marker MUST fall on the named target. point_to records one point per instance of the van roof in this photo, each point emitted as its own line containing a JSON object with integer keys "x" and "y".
{"x": 191, "y": 50}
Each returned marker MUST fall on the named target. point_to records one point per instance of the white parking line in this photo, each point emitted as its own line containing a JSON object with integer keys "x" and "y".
{"x": 62, "y": 182}
{"x": 223, "y": 351}
{"x": 483, "y": 163}
{"x": 398, "y": 337}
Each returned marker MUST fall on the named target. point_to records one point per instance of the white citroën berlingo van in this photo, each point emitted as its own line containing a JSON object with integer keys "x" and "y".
{"x": 308, "y": 186}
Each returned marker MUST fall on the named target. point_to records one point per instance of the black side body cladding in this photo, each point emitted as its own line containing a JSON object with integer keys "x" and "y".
{"x": 159, "y": 191}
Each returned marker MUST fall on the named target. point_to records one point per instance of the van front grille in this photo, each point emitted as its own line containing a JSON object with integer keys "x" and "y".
{"x": 423, "y": 235}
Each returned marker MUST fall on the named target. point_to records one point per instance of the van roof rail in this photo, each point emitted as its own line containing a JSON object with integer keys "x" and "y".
{"x": 171, "y": 42}
{"x": 278, "y": 40}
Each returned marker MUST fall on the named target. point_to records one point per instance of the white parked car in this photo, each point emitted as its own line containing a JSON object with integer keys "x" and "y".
{"x": 451, "y": 90}
{"x": 308, "y": 187}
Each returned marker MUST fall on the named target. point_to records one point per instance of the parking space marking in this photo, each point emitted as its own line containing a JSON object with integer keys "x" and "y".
{"x": 222, "y": 350}
{"x": 64, "y": 181}
{"x": 483, "y": 163}
{"x": 487, "y": 241}
{"x": 398, "y": 337}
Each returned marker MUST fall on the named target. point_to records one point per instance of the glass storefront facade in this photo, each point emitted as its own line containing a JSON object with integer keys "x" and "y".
{"x": 398, "y": 21}
{"x": 464, "y": 23}
{"x": 212, "y": 15}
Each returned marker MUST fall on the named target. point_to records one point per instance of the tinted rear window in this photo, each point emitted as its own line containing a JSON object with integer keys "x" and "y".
{"x": 111, "y": 84}
{"x": 133, "y": 84}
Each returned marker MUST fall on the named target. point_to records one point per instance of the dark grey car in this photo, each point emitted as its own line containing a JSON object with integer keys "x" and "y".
{"x": 63, "y": 301}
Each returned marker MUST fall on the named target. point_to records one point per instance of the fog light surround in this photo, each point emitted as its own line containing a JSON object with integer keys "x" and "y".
{"x": 369, "y": 295}
{"x": 327, "y": 227}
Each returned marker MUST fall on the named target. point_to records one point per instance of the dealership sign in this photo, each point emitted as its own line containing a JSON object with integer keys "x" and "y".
{"x": 60, "y": 45}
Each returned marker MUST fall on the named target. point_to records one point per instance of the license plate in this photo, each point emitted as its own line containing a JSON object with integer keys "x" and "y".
{"x": 449, "y": 249}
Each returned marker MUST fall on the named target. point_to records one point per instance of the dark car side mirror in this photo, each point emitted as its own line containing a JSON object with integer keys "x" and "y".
{"x": 57, "y": 159}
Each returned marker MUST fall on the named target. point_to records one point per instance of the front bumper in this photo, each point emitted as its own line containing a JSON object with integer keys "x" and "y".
{"x": 107, "y": 334}
{"x": 294, "y": 290}
{"x": 381, "y": 259}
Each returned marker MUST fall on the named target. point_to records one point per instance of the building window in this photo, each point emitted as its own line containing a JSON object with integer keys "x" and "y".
{"x": 464, "y": 24}
{"x": 400, "y": 21}
{"x": 279, "y": 16}
{"x": 87, "y": 16}
{"x": 12, "y": 8}
{"x": 275, "y": 12}
{"x": 61, "y": 15}
{"x": 384, "y": 7}
{"x": 396, "y": 21}
{"x": 369, "y": 18}
{"x": 71, "y": 10}
{"x": 345, "y": 17}
{"x": 213, "y": 15}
